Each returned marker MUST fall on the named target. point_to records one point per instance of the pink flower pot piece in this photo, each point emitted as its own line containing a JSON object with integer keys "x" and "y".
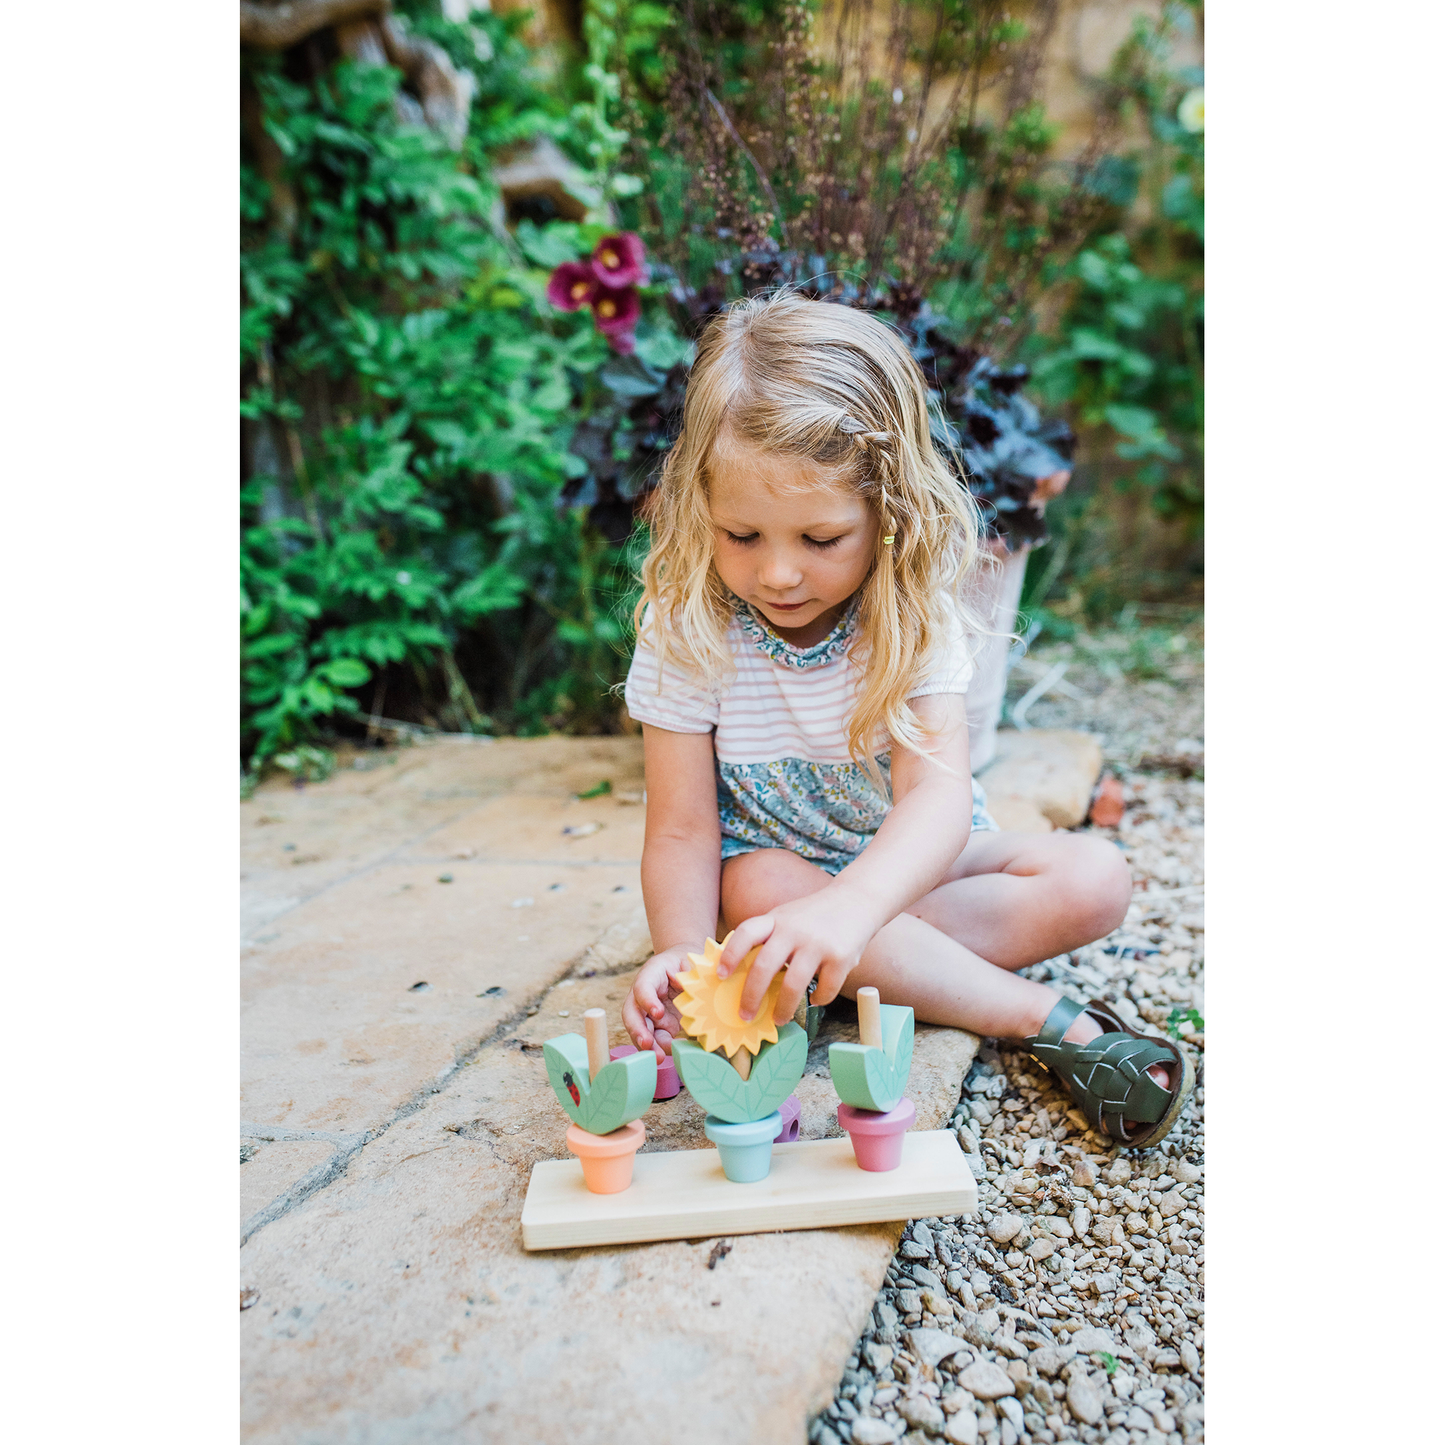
{"x": 877, "y": 1138}
{"x": 791, "y": 1111}
{"x": 668, "y": 1083}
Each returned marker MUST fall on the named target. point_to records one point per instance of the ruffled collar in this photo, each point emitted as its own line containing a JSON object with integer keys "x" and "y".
{"x": 830, "y": 649}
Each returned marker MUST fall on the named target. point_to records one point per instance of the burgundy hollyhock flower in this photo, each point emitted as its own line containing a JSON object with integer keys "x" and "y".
{"x": 572, "y": 285}
{"x": 615, "y": 314}
{"x": 620, "y": 261}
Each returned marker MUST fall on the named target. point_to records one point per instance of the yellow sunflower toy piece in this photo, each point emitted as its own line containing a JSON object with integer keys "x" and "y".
{"x": 708, "y": 1006}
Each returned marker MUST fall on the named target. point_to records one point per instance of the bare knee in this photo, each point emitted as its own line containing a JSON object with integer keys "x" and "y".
{"x": 753, "y": 883}
{"x": 1092, "y": 885}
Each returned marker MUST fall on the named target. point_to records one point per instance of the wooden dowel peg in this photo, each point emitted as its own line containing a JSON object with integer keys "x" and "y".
{"x": 870, "y": 1020}
{"x": 594, "y": 1020}
{"x": 742, "y": 1061}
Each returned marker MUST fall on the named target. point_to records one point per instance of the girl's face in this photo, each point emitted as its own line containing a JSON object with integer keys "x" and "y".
{"x": 788, "y": 539}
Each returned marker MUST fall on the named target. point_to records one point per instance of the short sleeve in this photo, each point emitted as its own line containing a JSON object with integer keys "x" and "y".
{"x": 666, "y": 697}
{"x": 951, "y": 667}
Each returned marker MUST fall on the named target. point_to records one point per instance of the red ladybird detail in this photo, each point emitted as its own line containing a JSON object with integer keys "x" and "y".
{"x": 572, "y": 1088}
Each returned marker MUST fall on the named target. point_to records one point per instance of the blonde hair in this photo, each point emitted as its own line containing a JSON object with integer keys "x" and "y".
{"x": 818, "y": 380}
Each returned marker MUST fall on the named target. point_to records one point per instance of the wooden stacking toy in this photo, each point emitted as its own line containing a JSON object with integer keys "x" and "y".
{"x": 870, "y": 1078}
{"x": 740, "y": 1071}
{"x": 605, "y": 1099}
{"x": 743, "y": 1074}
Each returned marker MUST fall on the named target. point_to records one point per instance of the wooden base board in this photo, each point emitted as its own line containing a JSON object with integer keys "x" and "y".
{"x": 814, "y": 1184}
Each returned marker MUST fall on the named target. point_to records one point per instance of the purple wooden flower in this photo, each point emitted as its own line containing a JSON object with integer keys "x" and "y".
{"x": 620, "y": 261}
{"x": 572, "y": 286}
{"x": 615, "y": 314}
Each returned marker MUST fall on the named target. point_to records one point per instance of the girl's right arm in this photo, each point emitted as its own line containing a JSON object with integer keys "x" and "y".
{"x": 681, "y": 874}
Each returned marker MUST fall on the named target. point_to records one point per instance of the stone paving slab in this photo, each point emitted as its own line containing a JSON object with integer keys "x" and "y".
{"x": 336, "y": 1034}
{"x": 1045, "y": 773}
{"x": 273, "y": 1167}
{"x": 295, "y": 843}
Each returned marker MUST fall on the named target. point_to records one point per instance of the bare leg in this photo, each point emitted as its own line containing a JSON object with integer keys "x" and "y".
{"x": 908, "y": 960}
{"x": 1021, "y": 897}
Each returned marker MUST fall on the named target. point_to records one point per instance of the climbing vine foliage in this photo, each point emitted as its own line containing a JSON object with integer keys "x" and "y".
{"x": 408, "y": 401}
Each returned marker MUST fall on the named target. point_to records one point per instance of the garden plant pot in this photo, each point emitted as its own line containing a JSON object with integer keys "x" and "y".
{"x": 790, "y": 1111}
{"x": 669, "y": 1086}
{"x": 746, "y": 1150}
{"x": 607, "y": 1158}
{"x": 877, "y": 1138}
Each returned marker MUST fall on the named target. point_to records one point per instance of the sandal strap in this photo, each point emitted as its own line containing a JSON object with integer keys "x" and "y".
{"x": 1058, "y": 1023}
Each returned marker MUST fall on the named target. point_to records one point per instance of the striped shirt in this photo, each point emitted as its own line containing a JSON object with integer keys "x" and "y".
{"x": 785, "y": 778}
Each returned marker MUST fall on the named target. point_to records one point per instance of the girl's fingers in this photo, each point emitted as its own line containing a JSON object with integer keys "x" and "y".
{"x": 645, "y": 995}
{"x": 831, "y": 978}
{"x": 771, "y": 957}
{"x": 635, "y": 1023}
{"x": 795, "y": 986}
{"x": 662, "y": 1042}
{"x": 742, "y": 940}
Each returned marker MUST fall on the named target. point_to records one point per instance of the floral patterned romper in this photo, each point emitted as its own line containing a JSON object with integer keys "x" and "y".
{"x": 784, "y": 777}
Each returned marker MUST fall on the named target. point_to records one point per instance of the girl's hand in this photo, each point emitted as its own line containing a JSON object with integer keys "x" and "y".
{"x": 823, "y": 934}
{"x": 647, "y": 1012}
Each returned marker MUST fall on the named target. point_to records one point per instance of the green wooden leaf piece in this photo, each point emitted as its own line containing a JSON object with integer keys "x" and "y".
{"x": 869, "y": 1078}
{"x": 716, "y": 1085}
{"x": 621, "y": 1092}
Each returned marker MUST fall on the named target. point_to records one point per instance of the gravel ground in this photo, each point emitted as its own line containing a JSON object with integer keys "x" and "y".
{"x": 1070, "y": 1307}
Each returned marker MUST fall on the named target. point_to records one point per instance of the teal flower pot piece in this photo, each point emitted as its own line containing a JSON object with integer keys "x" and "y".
{"x": 717, "y": 1086}
{"x": 871, "y": 1078}
{"x": 620, "y": 1093}
{"x": 744, "y": 1150}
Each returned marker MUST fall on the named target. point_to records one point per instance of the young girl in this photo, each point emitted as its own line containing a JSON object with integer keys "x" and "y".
{"x": 799, "y": 675}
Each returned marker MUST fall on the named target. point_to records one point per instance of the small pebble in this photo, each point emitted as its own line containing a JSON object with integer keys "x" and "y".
{"x": 1050, "y": 1359}
{"x": 1004, "y": 1227}
{"x": 867, "y": 1431}
{"x": 962, "y": 1428}
{"x": 937, "y": 1303}
{"x": 920, "y": 1412}
{"x": 933, "y": 1346}
{"x": 985, "y": 1381}
{"x": 926, "y": 1278}
{"x": 1084, "y": 1401}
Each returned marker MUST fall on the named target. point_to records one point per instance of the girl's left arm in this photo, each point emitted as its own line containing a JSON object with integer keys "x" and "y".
{"x": 916, "y": 845}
